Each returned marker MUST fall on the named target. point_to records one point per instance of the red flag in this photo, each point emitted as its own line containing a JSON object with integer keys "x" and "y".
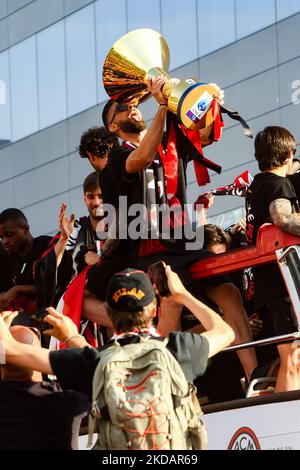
{"x": 71, "y": 306}
{"x": 218, "y": 121}
{"x": 170, "y": 160}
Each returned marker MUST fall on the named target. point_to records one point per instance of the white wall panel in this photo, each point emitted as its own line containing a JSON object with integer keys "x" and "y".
{"x": 42, "y": 183}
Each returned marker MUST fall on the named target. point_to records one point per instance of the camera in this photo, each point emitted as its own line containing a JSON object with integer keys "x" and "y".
{"x": 37, "y": 320}
{"x": 157, "y": 274}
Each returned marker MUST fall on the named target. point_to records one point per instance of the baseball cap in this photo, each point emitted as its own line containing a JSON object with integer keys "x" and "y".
{"x": 129, "y": 290}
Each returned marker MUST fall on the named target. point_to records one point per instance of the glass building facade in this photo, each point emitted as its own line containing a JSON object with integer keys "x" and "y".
{"x": 51, "y": 57}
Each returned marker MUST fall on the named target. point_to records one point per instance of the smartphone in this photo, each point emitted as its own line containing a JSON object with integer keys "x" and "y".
{"x": 157, "y": 274}
{"x": 37, "y": 320}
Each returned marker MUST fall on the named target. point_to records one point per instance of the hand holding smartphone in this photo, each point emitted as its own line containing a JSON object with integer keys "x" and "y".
{"x": 157, "y": 274}
{"x": 37, "y": 320}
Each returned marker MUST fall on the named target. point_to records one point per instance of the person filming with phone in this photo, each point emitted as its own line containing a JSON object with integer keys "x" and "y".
{"x": 131, "y": 305}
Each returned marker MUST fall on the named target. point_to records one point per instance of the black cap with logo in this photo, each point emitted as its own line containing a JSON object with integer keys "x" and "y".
{"x": 129, "y": 290}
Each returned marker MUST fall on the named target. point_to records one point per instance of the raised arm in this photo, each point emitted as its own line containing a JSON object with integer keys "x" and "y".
{"x": 64, "y": 329}
{"x": 282, "y": 216}
{"x": 218, "y": 333}
{"x": 66, "y": 227}
{"x": 31, "y": 357}
{"x": 143, "y": 156}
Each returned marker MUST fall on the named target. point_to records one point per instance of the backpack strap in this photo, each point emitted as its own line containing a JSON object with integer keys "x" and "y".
{"x": 95, "y": 410}
{"x": 95, "y": 413}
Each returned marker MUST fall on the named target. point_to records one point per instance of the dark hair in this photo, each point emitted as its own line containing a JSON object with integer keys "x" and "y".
{"x": 214, "y": 235}
{"x": 98, "y": 141}
{"x": 91, "y": 182}
{"x": 273, "y": 146}
{"x": 105, "y": 112}
{"x": 128, "y": 321}
{"x": 14, "y": 215}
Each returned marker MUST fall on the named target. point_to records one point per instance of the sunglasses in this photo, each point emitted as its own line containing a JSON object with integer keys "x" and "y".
{"x": 119, "y": 109}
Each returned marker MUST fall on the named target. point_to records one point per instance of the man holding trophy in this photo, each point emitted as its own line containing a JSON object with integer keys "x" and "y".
{"x": 151, "y": 171}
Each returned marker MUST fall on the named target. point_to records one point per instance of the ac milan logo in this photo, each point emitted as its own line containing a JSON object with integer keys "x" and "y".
{"x": 244, "y": 439}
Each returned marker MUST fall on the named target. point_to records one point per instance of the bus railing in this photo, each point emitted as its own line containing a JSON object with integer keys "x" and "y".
{"x": 273, "y": 245}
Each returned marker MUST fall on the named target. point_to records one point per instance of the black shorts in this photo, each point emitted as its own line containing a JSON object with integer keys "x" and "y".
{"x": 180, "y": 263}
{"x": 282, "y": 316}
{"x": 99, "y": 275}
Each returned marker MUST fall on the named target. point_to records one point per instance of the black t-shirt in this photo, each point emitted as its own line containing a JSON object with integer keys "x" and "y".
{"x": 265, "y": 188}
{"x": 121, "y": 190}
{"x": 146, "y": 187}
{"x": 22, "y": 272}
{"x": 295, "y": 180}
{"x": 74, "y": 368}
{"x": 39, "y": 415}
{"x": 8, "y": 264}
{"x": 82, "y": 240}
{"x": 126, "y": 184}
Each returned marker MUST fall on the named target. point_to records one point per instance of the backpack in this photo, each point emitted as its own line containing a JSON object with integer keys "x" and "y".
{"x": 142, "y": 400}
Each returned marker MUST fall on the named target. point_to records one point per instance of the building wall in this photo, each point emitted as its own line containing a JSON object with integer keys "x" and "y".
{"x": 256, "y": 67}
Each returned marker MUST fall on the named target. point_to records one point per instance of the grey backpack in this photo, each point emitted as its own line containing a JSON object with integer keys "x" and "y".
{"x": 142, "y": 400}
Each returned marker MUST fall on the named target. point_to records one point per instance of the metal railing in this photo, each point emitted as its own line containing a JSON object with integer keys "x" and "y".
{"x": 288, "y": 260}
{"x": 273, "y": 340}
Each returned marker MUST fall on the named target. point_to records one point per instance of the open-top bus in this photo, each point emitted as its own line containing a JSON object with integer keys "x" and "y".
{"x": 270, "y": 421}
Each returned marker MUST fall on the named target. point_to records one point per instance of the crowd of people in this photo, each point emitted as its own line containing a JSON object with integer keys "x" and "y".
{"x": 95, "y": 266}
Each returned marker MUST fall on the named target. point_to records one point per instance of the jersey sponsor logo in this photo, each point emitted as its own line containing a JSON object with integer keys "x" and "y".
{"x": 244, "y": 439}
{"x": 200, "y": 107}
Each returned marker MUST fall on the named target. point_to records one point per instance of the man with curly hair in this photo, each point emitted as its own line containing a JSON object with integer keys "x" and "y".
{"x": 96, "y": 144}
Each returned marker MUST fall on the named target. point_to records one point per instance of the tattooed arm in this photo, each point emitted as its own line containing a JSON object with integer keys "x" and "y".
{"x": 282, "y": 216}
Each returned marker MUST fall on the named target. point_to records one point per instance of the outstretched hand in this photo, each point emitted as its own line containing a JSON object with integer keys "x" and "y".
{"x": 219, "y": 94}
{"x": 4, "y": 332}
{"x": 240, "y": 226}
{"x": 8, "y": 317}
{"x": 155, "y": 86}
{"x": 176, "y": 287}
{"x": 66, "y": 225}
{"x": 256, "y": 324}
{"x": 210, "y": 200}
